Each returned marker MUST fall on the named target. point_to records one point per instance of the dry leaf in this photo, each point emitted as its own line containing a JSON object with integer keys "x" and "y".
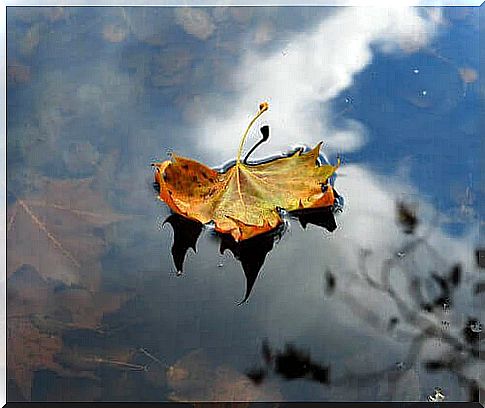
{"x": 54, "y": 243}
{"x": 29, "y": 350}
{"x": 244, "y": 200}
{"x": 60, "y": 231}
{"x": 194, "y": 378}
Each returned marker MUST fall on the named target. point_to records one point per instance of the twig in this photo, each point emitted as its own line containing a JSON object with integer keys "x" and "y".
{"x": 43, "y": 228}
{"x": 150, "y": 355}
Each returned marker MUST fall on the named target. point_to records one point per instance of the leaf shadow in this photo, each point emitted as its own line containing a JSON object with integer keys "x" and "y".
{"x": 251, "y": 253}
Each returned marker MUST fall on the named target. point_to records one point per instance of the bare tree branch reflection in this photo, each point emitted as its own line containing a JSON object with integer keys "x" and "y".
{"x": 418, "y": 319}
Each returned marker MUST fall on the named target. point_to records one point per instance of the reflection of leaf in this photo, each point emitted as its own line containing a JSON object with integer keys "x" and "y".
{"x": 244, "y": 200}
{"x": 195, "y": 378}
{"x": 251, "y": 253}
{"x": 185, "y": 235}
{"x": 322, "y": 217}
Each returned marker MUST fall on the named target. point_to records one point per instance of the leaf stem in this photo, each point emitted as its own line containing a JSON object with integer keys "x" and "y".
{"x": 252, "y": 150}
{"x": 263, "y": 107}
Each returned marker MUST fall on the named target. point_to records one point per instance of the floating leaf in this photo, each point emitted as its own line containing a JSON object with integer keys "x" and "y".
{"x": 245, "y": 200}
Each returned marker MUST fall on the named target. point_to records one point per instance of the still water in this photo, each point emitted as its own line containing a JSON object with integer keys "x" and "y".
{"x": 387, "y": 306}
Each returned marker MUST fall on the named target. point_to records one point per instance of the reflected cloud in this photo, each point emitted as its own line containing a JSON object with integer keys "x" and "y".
{"x": 79, "y": 112}
{"x": 313, "y": 69}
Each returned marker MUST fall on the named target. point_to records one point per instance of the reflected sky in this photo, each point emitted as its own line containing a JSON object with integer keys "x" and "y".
{"x": 95, "y": 95}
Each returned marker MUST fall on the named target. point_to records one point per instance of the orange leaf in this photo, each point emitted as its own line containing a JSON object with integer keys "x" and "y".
{"x": 244, "y": 200}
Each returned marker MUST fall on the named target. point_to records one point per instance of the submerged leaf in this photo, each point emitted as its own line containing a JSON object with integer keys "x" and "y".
{"x": 195, "y": 377}
{"x": 56, "y": 238}
{"x": 245, "y": 199}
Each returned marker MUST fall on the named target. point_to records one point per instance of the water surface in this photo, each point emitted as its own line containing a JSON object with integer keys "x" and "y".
{"x": 96, "y": 310}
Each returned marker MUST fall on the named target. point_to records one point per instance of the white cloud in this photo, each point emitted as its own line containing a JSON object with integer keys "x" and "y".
{"x": 300, "y": 79}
